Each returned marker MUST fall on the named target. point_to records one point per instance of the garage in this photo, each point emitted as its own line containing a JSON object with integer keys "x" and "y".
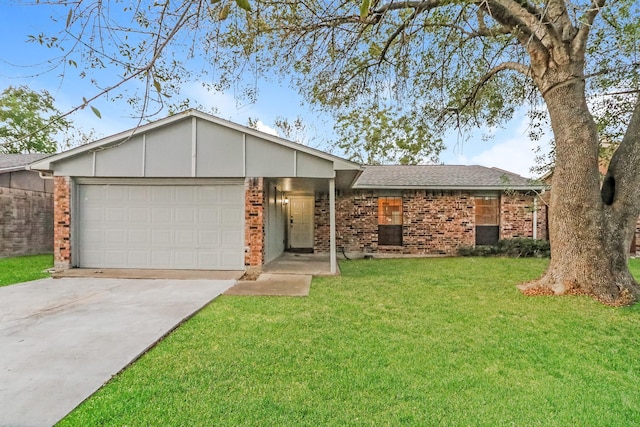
{"x": 190, "y": 191}
{"x": 150, "y": 224}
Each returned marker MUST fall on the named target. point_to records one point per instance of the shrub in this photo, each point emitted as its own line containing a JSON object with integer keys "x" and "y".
{"x": 517, "y": 247}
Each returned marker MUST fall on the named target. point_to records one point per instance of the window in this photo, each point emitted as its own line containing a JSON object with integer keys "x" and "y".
{"x": 390, "y": 211}
{"x": 487, "y": 211}
{"x": 487, "y": 220}
{"x": 390, "y": 221}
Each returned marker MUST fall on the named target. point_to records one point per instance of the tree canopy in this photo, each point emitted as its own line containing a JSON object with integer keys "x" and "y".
{"x": 29, "y": 121}
{"x": 427, "y": 65}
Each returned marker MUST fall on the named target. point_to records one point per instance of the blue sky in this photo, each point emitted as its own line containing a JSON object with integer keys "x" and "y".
{"x": 23, "y": 63}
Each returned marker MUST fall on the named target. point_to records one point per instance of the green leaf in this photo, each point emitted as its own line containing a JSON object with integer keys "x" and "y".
{"x": 224, "y": 12}
{"x": 156, "y": 84}
{"x": 364, "y": 8}
{"x": 96, "y": 112}
{"x": 244, "y": 4}
{"x": 69, "y": 16}
{"x": 73, "y": 63}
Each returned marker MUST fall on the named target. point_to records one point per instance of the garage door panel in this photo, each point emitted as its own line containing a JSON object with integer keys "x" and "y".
{"x": 94, "y": 215}
{"x": 138, "y": 215}
{"x": 137, "y": 238}
{"x": 161, "y": 237}
{"x": 208, "y": 238}
{"x": 232, "y": 217}
{"x": 229, "y": 259}
{"x": 229, "y": 196}
{"x": 186, "y": 215}
{"x": 162, "y": 193}
{"x": 138, "y": 257}
{"x": 115, "y": 257}
{"x": 185, "y": 259}
{"x": 184, "y": 227}
{"x": 161, "y": 258}
{"x": 116, "y": 237}
{"x": 231, "y": 238}
{"x": 186, "y": 194}
{"x": 208, "y": 215}
{"x": 208, "y": 195}
{"x": 161, "y": 215}
{"x": 138, "y": 194}
{"x": 93, "y": 236}
{"x": 185, "y": 238}
{"x": 93, "y": 257}
{"x": 115, "y": 193}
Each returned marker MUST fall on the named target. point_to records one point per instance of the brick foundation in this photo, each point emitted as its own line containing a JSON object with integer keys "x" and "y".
{"x": 62, "y": 222}
{"x": 254, "y": 223}
{"x": 434, "y": 222}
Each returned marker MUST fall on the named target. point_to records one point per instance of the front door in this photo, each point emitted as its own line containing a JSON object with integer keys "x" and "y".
{"x": 301, "y": 222}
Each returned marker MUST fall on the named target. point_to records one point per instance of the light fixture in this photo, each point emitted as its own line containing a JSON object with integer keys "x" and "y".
{"x": 285, "y": 200}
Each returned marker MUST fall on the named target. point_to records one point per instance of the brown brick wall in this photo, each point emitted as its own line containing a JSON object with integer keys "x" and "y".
{"x": 26, "y": 219}
{"x": 434, "y": 222}
{"x": 254, "y": 222}
{"x": 62, "y": 222}
{"x": 516, "y": 216}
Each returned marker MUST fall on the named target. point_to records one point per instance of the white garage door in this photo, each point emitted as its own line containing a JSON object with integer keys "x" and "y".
{"x": 161, "y": 226}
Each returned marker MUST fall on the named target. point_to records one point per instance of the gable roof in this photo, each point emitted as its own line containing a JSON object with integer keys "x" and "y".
{"x": 442, "y": 177}
{"x": 14, "y": 162}
{"x": 339, "y": 163}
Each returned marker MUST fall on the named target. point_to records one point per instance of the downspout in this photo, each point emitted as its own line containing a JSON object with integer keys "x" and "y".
{"x": 332, "y": 225}
{"x": 535, "y": 218}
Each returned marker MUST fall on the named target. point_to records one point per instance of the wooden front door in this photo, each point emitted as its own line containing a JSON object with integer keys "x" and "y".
{"x": 301, "y": 222}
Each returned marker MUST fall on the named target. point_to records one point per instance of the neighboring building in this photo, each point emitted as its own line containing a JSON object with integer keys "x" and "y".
{"x": 193, "y": 191}
{"x": 26, "y": 207}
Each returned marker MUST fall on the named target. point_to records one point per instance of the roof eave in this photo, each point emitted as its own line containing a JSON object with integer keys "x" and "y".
{"x": 14, "y": 169}
{"x": 450, "y": 187}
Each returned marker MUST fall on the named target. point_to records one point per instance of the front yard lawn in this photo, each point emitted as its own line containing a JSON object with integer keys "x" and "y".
{"x": 443, "y": 342}
{"x": 24, "y": 268}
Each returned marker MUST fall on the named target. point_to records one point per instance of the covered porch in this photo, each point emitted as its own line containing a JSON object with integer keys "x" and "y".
{"x": 296, "y": 237}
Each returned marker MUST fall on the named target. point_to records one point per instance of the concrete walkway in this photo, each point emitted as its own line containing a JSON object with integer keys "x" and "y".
{"x": 281, "y": 285}
{"x": 300, "y": 263}
{"x": 61, "y": 339}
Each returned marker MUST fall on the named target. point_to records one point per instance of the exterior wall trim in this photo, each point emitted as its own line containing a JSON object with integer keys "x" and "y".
{"x": 159, "y": 181}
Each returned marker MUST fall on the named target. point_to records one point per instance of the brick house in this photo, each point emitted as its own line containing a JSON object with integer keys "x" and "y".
{"x": 26, "y": 207}
{"x": 193, "y": 191}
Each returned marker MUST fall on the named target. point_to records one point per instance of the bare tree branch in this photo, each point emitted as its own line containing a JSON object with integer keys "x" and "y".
{"x": 513, "y": 66}
{"x": 537, "y": 24}
{"x": 586, "y": 21}
{"x": 559, "y": 15}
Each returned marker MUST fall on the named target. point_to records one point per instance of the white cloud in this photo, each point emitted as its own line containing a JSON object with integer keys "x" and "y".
{"x": 514, "y": 155}
{"x": 509, "y": 149}
{"x": 265, "y": 128}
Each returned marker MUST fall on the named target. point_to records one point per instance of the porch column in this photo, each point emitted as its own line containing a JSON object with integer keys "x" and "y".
{"x": 332, "y": 225}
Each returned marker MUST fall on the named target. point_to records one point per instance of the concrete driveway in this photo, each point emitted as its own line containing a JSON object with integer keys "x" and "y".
{"x": 62, "y": 339}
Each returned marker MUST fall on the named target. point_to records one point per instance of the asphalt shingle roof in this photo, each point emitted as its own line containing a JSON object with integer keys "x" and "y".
{"x": 440, "y": 177}
{"x": 11, "y": 161}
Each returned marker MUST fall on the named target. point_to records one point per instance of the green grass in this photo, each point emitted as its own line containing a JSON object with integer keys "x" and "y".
{"x": 24, "y": 268}
{"x": 446, "y": 341}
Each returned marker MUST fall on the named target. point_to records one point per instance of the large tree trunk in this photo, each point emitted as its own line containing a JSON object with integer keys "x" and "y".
{"x": 590, "y": 229}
